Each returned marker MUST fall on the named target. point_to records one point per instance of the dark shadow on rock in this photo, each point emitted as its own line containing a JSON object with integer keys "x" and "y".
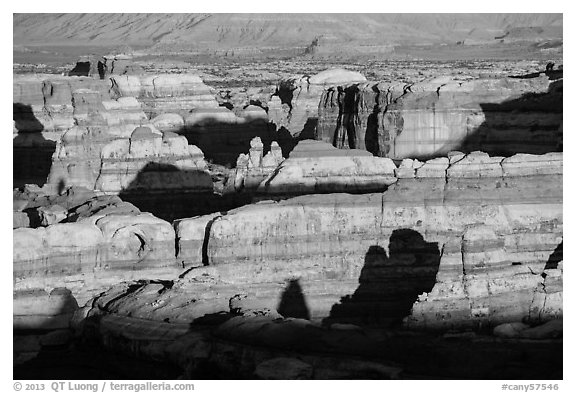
{"x": 101, "y": 69}
{"x": 286, "y": 141}
{"x": 82, "y": 68}
{"x": 205, "y": 259}
{"x": 550, "y": 72}
{"x": 556, "y": 257}
{"x": 528, "y": 124}
{"x": 508, "y": 130}
{"x": 292, "y": 302}
{"x": 227, "y": 105}
{"x": 223, "y": 142}
{"x": 347, "y": 133}
{"x": 309, "y": 130}
{"x": 40, "y": 336}
{"x": 170, "y": 193}
{"x": 389, "y": 285}
{"x": 32, "y": 153}
{"x": 61, "y": 186}
{"x": 371, "y": 137}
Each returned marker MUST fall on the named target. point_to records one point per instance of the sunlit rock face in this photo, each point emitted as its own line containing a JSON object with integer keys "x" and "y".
{"x": 476, "y": 247}
{"x": 158, "y": 172}
{"x": 152, "y": 161}
{"x": 101, "y": 241}
{"x": 43, "y": 107}
{"x": 61, "y": 124}
{"x": 316, "y": 167}
{"x": 295, "y": 105}
{"x": 165, "y": 93}
{"x": 431, "y": 118}
{"x": 254, "y": 167}
{"x": 77, "y": 159}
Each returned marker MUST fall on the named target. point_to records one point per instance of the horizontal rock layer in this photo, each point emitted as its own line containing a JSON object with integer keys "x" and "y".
{"x": 472, "y": 248}
{"x": 102, "y": 241}
{"x": 399, "y": 120}
{"x": 315, "y": 167}
{"x": 61, "y": 124}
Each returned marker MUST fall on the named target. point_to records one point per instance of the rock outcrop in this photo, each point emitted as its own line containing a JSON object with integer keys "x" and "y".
{"x": 43, "y": 111}
{"x": 95, "y": 242}
{"x": 316, "y": 167}
{"x": 77, "y": 159}
{"x": 295, "y": 104}
{"x": 118, "y": 64}
{"x": 151, "y": 161}
{"x": 431, "y": 118}
{"x": 468, "y": 249}
{"x": 165, "y": 93}
{"x": 62, "y": 123}
{"x": 254, "y": 167}
{"x": 223, "y": 136}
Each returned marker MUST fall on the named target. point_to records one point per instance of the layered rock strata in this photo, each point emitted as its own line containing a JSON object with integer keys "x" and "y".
{"x": 72, "y": 118}
{"x": 119, "y": 64}
{"x": 295, "y": 104}
{"x": 465, "y": 243}
{"x": 270, "y": 347}
{"x": 223, "y": 136}
{"x": 252, "y": 168}
{"x": 158, "y": 172}
{"x": 316, "y": 167}
{"x": 165, "y": 93}
{"x": 99, "y": 241}
{"x": 43, "y": 111}
{"x": 77, "y": 159}
{"x": 151, "y": 161}
{"x": 431, "y": 118}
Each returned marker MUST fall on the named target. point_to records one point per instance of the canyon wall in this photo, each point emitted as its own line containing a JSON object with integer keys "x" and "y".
{"x": 87, "y": 243}
{"x": 422, "y": 120}
{"x": 466, "y": 241}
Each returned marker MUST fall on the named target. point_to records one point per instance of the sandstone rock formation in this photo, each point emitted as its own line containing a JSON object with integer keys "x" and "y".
{"x": 165, "y": 93}
{"x": 149, "y": 162}
{"x": 465, "y": 242}
{"x": 77, "y": 159}
{"x": 297, "y": 109}
{"x": 90, "y": 244}
{"x": 431, "y": 118}
{"x": 475, "y": 239}
{"x": 88, "y": 66}
{"x": 43, "y": 111}
{"x": 255, "y": 166}
{"x": 473, "y": 248}
{"x": 222, "y": 135}
{"x": 316, "y": 167}
{"x": 119, "y": 64}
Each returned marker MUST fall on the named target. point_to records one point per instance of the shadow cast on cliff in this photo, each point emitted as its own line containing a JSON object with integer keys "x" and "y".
{"x": 54, "y": 352}
{"x": 292, "y": 302}
{"x": 222, "y": 142}
{"x": 32, "y": 153}
{"x": 170, "y": 193}
{"x": 528, "y": 124}
{"x": 555, "y": 258}
{"x": 390, "y": 284}
{"x": 34, "y": 353}
{"x": 520, "y": 125}
{"x": 288, "y": 142}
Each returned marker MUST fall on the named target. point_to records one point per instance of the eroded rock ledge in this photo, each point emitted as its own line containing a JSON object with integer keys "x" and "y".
{"x": 464, "y": 245}
{"x": 421, "y": 120}
{"x": 455, "y": 243}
